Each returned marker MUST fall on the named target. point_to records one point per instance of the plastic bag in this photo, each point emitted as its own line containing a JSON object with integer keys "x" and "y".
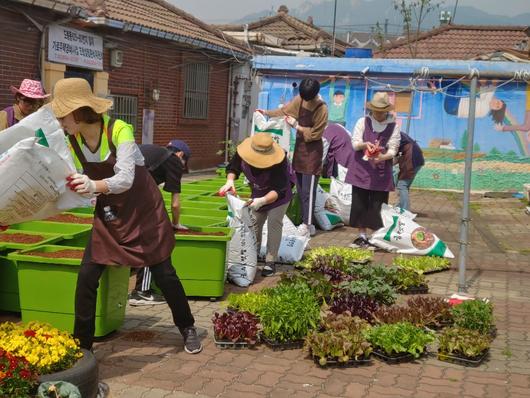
{"x": 325, "y": 213}
{"x": 292, "y": 246}
{"x": 400, "y": 234}
{"x": 277, "y": 127}
{"x": 340, "y": 197}
{"x": 242, "y": 249}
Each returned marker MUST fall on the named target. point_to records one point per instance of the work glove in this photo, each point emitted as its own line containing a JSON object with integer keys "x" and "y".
{"x": 291, "y": 121}
{"x": 180, "y": 227}
{"x": 257, "y": 203}
{"x": 229, "y": 186}
{"x": 81, "y": 184}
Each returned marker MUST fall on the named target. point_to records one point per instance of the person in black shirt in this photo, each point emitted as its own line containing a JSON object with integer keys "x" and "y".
{"x": 166, "y": 165}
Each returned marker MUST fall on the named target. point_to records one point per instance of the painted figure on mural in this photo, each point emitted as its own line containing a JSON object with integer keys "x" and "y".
{"x": 338, "y": 102}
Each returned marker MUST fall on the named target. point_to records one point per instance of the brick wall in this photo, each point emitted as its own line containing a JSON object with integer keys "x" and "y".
{"x": 148, "y": 63}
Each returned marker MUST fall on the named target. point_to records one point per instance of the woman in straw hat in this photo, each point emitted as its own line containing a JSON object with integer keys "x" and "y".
{"x": 265, "y": 165}
{"x": 29, "y": 97}
{"x": 375, "y": 141}
{"x": 131, "y": 225}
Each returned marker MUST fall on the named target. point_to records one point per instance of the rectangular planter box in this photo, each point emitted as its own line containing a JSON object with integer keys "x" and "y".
{"x": 83, "y": 210}
{"x": 47, "y": 290}
{"x": 215, "y": 202}
{"x": 8, "y": 285}
{"x": 210, "y": 213}
{"x": 198, "y": 221}
{"x": 47, "y": 238}
{"x": 72, "y": 234}
{"x": 200, "y": 262}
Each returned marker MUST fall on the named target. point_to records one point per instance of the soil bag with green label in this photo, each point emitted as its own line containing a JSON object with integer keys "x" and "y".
{"x": 277, "y": 127}
{"x": 400, "y": 234}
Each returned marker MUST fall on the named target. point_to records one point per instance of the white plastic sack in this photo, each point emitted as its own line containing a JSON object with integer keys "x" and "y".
{"x": 340, "y": 197}
{"x": 400, "y": 234}
{"x": 325, "y": 213}
{"x": 277, "y": 127}
{"x": 292, "y": 246}
{"x": 242, "y": 249}
{"x": 402, "y": 212}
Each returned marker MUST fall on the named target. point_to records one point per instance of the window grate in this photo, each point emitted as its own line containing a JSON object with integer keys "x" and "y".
{"x": 125, "y": 107}
{"x": 196, "y": 91}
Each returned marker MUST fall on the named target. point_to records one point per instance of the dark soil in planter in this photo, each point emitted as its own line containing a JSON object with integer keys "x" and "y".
{"x": 352, "y": 363}
{"x": 71, "y": 219}
{"x": 20, "y": 238}
{"x": 66, "y": 253}
{"x": 191, "y": 232}
{"x": 394, "y": 358}
{"x": 463, "y": 360}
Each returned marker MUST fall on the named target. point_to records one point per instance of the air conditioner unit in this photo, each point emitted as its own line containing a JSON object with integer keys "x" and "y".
{"x": 116, "y": 58}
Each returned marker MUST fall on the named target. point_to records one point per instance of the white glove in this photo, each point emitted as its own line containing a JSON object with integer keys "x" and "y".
{"x": 180, "y": 227}
{"x": 229, "y": 186}
{"x": 81, "y": 184}
{"x": 257, "y": 203}
{"x": 291, "y": 121}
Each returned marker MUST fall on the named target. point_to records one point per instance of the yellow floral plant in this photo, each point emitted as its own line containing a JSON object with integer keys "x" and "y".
{"x": 46, "y": 348}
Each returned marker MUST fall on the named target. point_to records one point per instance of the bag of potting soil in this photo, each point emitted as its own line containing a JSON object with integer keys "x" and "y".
{"x": 292, "y": 245}
{"x": 400, "y": 234}
{"x": 326, "y": 216}
{"x": 242, "y": 249}
{"x": 340, "y": 197}
{"x": 277, "y": 127}
{"x": 402, "y": 212}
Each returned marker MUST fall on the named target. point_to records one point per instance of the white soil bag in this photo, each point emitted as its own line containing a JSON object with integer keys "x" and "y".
{"x": 326, "y": 211}
{"x": 242, "y": 249}
{"x": 400, "y": 234}
{"x": 340, "y": 197}
{"x": 292, "y": 245}
{"x": 277, "y": 127}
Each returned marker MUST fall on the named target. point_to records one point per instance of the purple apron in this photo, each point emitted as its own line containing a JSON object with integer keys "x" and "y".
{"x": 11, "y": 120}
{"x": 366, "y": 174}
{"x": 340, "y": 149}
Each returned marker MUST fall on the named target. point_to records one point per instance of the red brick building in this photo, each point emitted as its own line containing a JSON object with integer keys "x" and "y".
{"x": 154, "y": 61}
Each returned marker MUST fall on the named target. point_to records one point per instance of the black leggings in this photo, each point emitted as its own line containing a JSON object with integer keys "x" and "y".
{"x": 366, "y": 208}
{"x": 86, "y": 294}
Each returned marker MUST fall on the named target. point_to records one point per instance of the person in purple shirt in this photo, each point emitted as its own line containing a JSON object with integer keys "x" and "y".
{"x": 338, "y": 150}
{"x": 266, "y": 167}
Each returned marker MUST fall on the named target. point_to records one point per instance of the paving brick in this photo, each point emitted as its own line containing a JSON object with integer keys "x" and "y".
{"x": 213, "y": 388}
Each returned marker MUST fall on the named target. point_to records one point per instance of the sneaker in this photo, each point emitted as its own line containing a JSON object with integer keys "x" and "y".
{"x": 361, "y": 243}
{"x": 269, "y": 269}
{"x": 303, "y": 230}
{"x": 137, "y": 298}
{"x": 192, "y": 344}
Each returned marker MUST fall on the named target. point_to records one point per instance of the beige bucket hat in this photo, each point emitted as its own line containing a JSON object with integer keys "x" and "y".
{"x": 74, "y": 93}
{"x": 380, "y": 102}
{"x": 261, "y": 151}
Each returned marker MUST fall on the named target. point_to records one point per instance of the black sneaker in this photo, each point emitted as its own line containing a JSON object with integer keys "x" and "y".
{"x": 192, "y": 344}
{"x": 269, "y": 269}
{"x": 137, "y": 298}
{"x": 361, "y": 243}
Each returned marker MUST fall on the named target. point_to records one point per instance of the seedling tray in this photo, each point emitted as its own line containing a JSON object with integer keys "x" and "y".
{"x": 416, "y": 290}
{"x": 364, "y": 261}
{"x": 493, "y": 332}
{"x": 435, "y": 271}
{"x": 230, "y": 345}
{"x": 352, "y": 363}
{"x": 277, "y": 346}
{"x": 394, "y": 359}
{"x": 464, "y": 361}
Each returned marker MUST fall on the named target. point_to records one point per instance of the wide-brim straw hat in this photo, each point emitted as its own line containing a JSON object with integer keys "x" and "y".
{"x": 74, "y": 93}
{"x": 261, "y": 151}
{"x": 380, "y": 102}
{"x": 30, "y": 89}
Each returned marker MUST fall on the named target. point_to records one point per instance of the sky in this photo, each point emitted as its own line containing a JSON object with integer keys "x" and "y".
{"x": 222, "y": 11}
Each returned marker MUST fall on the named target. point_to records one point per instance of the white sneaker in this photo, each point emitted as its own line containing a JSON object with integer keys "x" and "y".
{"x": 303, "y": 230}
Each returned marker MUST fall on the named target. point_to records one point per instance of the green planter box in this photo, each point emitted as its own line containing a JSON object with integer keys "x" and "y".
{"x": 47, "y": 290}
{"x": 72, "y": 234}
{"x": 192, "y": 204}
{"x": 83, "y": 210}
{"x": 211, "y": 213}
{"x": 200, "y": 262}
{"x": 47, "y": 238}
{"x": 8, "y": 285}
{"x": 197, "y": 221}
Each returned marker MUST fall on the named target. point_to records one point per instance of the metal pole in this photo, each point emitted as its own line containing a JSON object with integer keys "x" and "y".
{"x": 464, "y": 224}
{"x": 454, "y": 12}
{"x": 407, "y": 129}
{"x": 334, "y": 22}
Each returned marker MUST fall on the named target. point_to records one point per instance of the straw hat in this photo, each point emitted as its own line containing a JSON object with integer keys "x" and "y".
{"x": 380, "y": 102}
{"x": 74, "y": 93}
{"x": 30, "y": 89}
{"x": 261, "y": 151}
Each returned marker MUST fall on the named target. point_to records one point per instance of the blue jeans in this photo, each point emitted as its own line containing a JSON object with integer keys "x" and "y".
{"x": 402, "y": 187}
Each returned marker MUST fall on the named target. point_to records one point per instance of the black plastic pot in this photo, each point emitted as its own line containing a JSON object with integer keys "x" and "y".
{"x": 463, "y": 360}
{"x": 237, "y": 345}
{"x": 394, "y": 359}
{"x": 352, "y": 363}
{"x": 423, "y": 289}
{"x": 280, "y": 346}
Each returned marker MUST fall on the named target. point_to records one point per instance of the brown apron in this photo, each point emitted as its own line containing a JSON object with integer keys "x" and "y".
{"x": 307, "y": 156}
{"x": 142, "y": 234}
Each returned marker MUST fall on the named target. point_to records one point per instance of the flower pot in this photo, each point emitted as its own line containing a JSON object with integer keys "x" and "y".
{"x": 463, "y": 360}
{"x": 16, "y": 240}
{"x": 47, "y": 290}
{"x": 72, "y": 234}
{"x": 83, "y": 375}
{"x": 9, "y": 300}
{"x": 72, "y": 218}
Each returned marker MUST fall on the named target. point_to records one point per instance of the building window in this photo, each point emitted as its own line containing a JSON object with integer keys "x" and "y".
{"x": 125, "y": 107}
{"x": 196, "y": 81}
{"x": 402, "y": 102}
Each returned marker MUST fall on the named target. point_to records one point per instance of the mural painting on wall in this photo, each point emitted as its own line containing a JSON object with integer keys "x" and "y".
{"x": 438, "y": 121}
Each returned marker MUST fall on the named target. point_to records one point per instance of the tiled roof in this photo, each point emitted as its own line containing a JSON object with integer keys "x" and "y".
{"x": 294, "y": 33}
{"x": 158, "y": 15}
{"x": 458, "y": 42}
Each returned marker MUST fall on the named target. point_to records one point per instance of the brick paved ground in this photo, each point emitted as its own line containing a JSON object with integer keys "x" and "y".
{"x": 146, "y": 358}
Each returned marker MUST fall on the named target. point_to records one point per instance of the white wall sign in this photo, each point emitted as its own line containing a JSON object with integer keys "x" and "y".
{"x": 75, "y": 47}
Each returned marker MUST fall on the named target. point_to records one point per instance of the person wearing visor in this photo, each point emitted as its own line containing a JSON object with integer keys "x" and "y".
{"x": 29, "y": 97}
{"x": 266, "y": 167}
{"x": 166, "y": 165}
{"x": 131, "y": 225}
